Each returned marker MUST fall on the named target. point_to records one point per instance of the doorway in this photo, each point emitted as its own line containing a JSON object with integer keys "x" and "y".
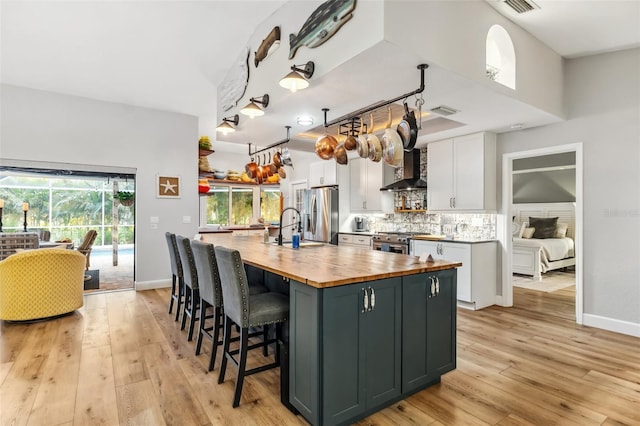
{"x": 68, "y": 206}
{"x": 507, "y": 213}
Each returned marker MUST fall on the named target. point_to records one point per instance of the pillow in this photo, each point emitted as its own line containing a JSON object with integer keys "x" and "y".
{"x": 561, "y": 230}
{"x": 528, "y": 232}
{"x": 545, "y": 226}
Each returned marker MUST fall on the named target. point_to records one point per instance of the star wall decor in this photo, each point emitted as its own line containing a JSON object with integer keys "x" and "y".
{"x": 168, "y": 186}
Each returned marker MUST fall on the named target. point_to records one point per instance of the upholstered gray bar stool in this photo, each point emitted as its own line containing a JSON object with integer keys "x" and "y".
{"x": 246, "y": 310}
{"x": 211, "y": 297}
{"x": 191, "y": 289}
{"x": 177, "y": 281}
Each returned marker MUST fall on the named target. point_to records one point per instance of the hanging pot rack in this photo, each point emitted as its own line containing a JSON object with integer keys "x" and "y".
{"x": 354, "y": 117}
{"x": 273, "y": 145}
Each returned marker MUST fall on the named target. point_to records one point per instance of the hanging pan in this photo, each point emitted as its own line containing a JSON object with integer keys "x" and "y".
{"x": 408, "y": 129}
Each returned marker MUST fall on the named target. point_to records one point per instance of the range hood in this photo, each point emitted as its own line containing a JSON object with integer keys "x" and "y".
{"x": 411, "y": 174}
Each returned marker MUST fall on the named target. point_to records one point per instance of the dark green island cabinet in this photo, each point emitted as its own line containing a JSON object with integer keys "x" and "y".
{"x": 357, "y": 348}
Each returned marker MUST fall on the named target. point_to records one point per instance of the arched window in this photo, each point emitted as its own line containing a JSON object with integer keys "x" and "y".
{"x": 500, "y": 57}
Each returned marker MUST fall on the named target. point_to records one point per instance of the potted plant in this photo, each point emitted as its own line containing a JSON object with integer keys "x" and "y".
{"x": 126, "y": 198}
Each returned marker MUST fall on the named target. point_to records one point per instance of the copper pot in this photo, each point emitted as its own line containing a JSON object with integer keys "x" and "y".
{"x": 282, "y": 172}
{"x": 252, "y": 169}
{"x": 340, "y": 154}
{"x": 350, "y": 143}
{"x": 325, "y": 146}
{"x": 277, "y": 160}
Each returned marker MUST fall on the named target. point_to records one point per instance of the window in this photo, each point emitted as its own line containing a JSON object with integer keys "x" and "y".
{"x": 67, "y": 207}
{"x": 500, "y": 57}
{"x": 270, "y": 204}
{"x": 226, "y": 205}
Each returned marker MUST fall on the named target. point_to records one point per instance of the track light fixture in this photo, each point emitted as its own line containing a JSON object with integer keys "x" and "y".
{"x": 226, "y": 128}
{"x": 297, "y": 78}
{"x": 253, "y": 110}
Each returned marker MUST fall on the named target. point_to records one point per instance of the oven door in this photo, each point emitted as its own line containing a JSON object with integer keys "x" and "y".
{"x": 392, "y": 248}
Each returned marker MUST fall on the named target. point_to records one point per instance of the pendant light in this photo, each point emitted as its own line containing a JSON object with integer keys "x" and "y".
{"x": 226, "y": 128}
{"x": 297, "y": 78}
{"x": 253, "y": 110}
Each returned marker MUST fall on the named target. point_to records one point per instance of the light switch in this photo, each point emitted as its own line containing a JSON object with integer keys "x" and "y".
{"x": 186, "y": 219}
{"x": 155, "y": 219}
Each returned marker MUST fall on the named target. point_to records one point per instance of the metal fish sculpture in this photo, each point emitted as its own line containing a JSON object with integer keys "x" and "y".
{"x": 268, "y": 46}
{"x": 323, "y": 23}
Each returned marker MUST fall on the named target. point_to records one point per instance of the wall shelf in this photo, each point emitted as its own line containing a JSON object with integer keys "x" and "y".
{"x": 410, "y": 211}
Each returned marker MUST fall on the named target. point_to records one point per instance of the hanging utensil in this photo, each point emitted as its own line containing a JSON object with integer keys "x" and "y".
{"x": 408, "y": 129}
{"x": 363, "y": 144}
{"x": 419, "y": 103}
{"x": 375, "y": 147}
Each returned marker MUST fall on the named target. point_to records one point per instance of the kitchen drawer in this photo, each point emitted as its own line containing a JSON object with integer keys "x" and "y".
{"x": 345, "y": 239}
{"x": 361, "y": 240}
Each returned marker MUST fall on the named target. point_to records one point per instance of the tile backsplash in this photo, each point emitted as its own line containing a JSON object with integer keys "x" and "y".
{"x": 467, "y": 226}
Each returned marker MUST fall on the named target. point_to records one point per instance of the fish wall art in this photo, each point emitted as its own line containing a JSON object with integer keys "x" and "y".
{"x": 268, "y": 46}
{"x": 235, "y": 83}
{"x": 323, "y": 23}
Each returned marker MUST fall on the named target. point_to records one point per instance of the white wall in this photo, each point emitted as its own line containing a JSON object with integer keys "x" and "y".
{"x": 44, "y": 126}
{"x": 603, "y": 103}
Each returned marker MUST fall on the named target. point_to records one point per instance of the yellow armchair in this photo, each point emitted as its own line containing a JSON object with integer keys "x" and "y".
{"x": 41, "y": 283}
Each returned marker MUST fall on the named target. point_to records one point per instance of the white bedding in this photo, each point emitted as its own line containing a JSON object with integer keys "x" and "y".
{"x": 552, "y": 248}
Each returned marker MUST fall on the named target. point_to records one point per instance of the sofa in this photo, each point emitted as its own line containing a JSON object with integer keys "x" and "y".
{"x": 41, "y": 283}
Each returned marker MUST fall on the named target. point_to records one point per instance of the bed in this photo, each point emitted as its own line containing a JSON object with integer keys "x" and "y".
{"x": 534, "y": 256}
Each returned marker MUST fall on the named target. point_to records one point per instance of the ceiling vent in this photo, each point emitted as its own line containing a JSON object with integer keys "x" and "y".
{"x": 444, "y": 110}
{"x": 521, "y": 6}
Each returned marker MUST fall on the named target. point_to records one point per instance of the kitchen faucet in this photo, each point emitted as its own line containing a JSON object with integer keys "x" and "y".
{"x": 280, "y": 226}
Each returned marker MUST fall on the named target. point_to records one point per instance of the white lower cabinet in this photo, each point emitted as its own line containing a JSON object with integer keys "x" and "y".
{"x": 362, "y": 241}
{"x": 478, "y": 274}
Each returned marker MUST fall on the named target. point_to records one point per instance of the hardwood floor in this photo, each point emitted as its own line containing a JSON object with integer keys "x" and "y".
{"x": 122, "y": 360}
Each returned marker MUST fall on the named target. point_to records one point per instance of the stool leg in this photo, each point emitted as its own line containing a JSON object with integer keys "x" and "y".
{"x": 195, "y": 303}
{"x": 180, "y": 297}
{"x": 201, "y": 325}
{"x": 217, "y": 317}
{"x": 278, "y": 340}
{"x": 265, "y": 339}
{"x": 242, "y": 363}
{"x": 187, "y": 306}
{"x": 225, "y": 348}
{"x": 173, "y": 292}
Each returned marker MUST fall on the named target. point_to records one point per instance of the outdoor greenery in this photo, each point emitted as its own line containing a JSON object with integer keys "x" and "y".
{"x": 242, "y": 209}
{"x": 68, "y": 208}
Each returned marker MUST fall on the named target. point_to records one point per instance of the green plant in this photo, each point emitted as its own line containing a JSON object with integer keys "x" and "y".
{"x": 126, "y": 198}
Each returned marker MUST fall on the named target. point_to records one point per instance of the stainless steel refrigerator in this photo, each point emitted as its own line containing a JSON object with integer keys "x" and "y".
{"x": 320, "y": 214}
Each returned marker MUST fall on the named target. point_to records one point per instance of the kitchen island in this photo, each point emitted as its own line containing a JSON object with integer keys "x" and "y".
{"x": 366, "y": 328}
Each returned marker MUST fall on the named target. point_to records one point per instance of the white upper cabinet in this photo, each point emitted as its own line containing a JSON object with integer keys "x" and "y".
{"x": 322, "y": 173}
{"x": 367, "y": 178}
{"x": 461, "y": 173}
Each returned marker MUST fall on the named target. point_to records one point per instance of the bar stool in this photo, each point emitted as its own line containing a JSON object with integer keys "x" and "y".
{"x": 211, "y": 297}
{"x": 177, "y": 281}
{"x": 191, "y": 289}
{"x": 246, "y": 310}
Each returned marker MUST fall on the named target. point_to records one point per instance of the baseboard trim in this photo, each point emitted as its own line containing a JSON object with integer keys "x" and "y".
{"x": 610, "y": 324}
{"x": 150, "y": 285}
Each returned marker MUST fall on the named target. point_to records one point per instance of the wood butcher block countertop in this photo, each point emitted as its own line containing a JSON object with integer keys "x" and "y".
{"x": 325, "y": 265}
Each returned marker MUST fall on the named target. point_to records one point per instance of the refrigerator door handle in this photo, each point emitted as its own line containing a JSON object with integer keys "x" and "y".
{"x": 314, "y": 213}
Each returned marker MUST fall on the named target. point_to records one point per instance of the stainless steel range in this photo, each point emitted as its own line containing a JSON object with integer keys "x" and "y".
{"x": 394, "y": 242}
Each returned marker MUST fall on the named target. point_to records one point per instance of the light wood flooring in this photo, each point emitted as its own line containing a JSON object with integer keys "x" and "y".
{"x": 122, "y": 360}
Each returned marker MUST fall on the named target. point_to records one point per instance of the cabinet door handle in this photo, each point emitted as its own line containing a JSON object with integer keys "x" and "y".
{"x": 432, "y": 287}
{"x": 450, "y": 202}
{"x": 372, "y": 297}
{"x": 454, "y": 202}
{"x": 437, "y": 286}
{"x": 365, "y": 300}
